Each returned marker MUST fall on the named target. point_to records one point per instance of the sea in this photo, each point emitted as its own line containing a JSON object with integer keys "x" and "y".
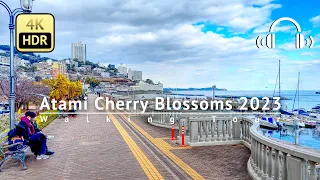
{"x": 306, "y": 136}
{"x": 307, "y": 99}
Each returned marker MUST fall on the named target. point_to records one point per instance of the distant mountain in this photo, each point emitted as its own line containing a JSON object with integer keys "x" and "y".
{"x": 33, "y": 58}
{"x": 193, "y": 89}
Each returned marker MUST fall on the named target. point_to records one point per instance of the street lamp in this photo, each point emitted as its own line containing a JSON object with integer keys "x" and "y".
{"x": 26, "y": 7}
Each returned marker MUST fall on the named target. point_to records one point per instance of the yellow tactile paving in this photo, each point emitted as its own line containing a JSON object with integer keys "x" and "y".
{"x": 165, "y": 148}
{"x": 145, "y": 163}
{"x": 143, "y": 160}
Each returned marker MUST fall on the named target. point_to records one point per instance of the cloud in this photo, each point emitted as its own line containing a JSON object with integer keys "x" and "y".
{"x": 288, "y": 46}
{"x": 158, "y": 38}
{"x": 265, "y": 28}
{"x": 236, "y": 14}
{"x": 315, "y": 21}
{"x": 308, "y": 53}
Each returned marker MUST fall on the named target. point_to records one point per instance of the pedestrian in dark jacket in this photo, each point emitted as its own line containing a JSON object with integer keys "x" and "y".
{"x": 33, "y": 135}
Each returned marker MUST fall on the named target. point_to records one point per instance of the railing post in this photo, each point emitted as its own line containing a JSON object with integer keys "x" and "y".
{"x": 276, "y": 165}
{"x": 261, "y": 160}
{"x": 194, "y": 131}
{"x": 248, "y": 131}
{"x": 313, "y": 173}
{"x": 236, "y": 130}
{"x": 206, "y": 131}
{"x": 242, "y": 130}
{"x": 213, "y": 129}
{"x": 223, "y": 130}
{"x": 284, "y": 166}
{"x": 270, "y": 162}
{"x": 296, "y": 168}
{"x": 200, "y": 126}
{"x": 156, "y": 118}
{"x": 264, "y": 174}
{"x": 161, "y": 116}
{"x": 229, "y": 122}
{"x": 218, "y": 130}
{"x": 258, "y": 158}
{"x": 253, "y": 154}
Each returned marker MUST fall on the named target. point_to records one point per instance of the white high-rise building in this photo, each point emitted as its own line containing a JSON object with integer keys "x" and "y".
{"x": 79, "y": 51}
{"x": 138, "y": 75}
{"x": 122, "y": 69}
{"x": 134, "y": 75}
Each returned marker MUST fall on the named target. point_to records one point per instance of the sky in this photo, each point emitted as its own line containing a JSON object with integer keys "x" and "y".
{"x": 187, "y": 43}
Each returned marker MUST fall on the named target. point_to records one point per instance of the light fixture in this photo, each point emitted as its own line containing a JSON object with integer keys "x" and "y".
{"x": 26, "y": 5}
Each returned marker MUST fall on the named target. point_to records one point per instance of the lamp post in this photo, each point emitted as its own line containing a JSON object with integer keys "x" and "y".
{"x": 26, "y": 6}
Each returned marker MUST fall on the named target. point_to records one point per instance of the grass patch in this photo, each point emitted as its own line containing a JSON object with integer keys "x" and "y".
{"x": 51, "y": 117}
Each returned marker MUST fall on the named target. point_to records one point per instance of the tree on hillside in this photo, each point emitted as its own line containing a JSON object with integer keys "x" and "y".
{"x": 149, "y": 81}
{"x": 93, "y": 82}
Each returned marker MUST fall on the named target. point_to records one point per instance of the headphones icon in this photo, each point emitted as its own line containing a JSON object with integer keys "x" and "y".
{"x": 270, "y": 38}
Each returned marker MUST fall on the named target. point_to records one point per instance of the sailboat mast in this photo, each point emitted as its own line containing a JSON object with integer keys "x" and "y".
{"x": 299, "y": 90}
{"x": 279, "y": 81}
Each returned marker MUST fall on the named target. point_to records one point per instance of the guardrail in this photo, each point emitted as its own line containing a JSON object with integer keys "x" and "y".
{"x": 276, "y": 159}
{"x": 271, "y": 159}
{"x": 210, "y": 131}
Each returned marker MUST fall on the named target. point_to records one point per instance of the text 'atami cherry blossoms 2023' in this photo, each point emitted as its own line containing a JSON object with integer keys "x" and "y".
{"x": 160, "y": 103}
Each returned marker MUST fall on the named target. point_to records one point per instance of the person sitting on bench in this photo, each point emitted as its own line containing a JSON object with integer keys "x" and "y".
{"x": 36, "y": 140}
{"x": 37, "y": 129}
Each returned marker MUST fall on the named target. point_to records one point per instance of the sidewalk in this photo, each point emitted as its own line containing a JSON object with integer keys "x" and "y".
{"x": 83, "y": 150}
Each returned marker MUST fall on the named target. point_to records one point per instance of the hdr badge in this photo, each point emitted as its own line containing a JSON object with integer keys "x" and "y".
{"x": 35, "y": 32}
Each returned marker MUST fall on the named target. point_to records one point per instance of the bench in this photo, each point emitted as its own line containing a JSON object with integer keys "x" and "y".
{"x": 19, "y": 153}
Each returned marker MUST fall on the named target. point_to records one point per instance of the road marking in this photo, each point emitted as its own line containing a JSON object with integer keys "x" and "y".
{"x": 143, "y": 160}
{"x": 165, "y": 148}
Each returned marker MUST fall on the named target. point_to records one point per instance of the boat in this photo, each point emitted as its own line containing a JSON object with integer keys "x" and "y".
{"x": 315, "y": 112}
{"x": 290, "y": 121}
{"x": 268, "y": 123}
{"x": 316, "y": 108}
{"x": 318, "y": 92}
{"x": 310, "y": 124}
{"x": 301, "y": 112}
{"x": 287, "y": 118}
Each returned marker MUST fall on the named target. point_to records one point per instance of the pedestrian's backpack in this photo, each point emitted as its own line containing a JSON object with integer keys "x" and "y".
{"x": 12, "y": 133}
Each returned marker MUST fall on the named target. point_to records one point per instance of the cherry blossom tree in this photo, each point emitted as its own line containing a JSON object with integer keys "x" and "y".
{"x": 26, "y": 91}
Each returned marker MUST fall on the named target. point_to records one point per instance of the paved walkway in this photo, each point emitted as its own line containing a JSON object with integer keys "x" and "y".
{"x": 120, "y": 149}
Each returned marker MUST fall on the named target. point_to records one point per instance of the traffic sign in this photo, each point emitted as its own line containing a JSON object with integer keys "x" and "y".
{"x": 35, "y": 32}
